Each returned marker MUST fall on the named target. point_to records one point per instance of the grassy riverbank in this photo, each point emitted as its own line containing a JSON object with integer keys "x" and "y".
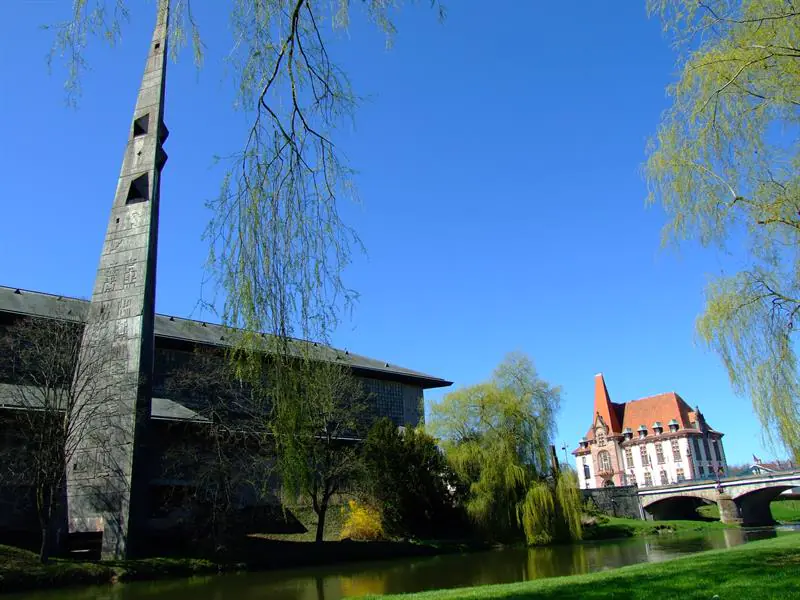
{"x": 765, "y": 569}
{"x": 783, "y": 511}
{"x": 21, "y": 570}
{"x": 614, "y": 527}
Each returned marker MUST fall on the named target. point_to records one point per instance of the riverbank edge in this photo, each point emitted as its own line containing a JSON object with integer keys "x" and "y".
{"x": 762, "y": 569}
{"x": 614, "y": 528}
{"x": 20, "y": 570}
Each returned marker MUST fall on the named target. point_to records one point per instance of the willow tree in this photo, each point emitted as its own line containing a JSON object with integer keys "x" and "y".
{"x": 725, "y": 166}
{"x": 498, "y": 437}
{"x": 277, "y": 243}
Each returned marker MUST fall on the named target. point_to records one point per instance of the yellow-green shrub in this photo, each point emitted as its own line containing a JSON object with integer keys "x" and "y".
{"x": 361, "y": 523}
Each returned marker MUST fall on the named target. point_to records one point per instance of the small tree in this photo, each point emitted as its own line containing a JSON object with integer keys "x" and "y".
{"x": 322, "y": 459}
{"x": 47, "y": 420}
{"x": 411, "y": 480}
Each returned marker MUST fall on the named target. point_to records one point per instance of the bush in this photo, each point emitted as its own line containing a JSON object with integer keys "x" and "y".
{"x": 410, "y": 480}
{"x": 589, "y": 507}
{"x": 362, "y": 523}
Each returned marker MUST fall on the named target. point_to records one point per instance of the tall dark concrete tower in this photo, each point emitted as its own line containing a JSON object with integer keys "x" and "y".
{"x": 106, "y": 491}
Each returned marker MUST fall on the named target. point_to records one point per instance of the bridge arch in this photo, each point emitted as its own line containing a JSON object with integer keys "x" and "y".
{"x": 754, "y": 505}
{"x": 679, "y": 506}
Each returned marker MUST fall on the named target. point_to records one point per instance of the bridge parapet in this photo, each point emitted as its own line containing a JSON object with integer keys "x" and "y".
{"x": 751, "y": 496}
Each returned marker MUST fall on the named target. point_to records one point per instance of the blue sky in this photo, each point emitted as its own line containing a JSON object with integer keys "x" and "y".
{"x": 499, "y": 162}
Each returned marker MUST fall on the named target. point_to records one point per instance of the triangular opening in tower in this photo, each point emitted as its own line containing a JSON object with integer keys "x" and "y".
{"x": 139, "y": 190}
{"x": 141, "y": 125}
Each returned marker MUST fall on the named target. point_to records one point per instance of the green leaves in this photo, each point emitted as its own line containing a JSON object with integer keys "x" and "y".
{"x": 410, "y": 479}
{"x": 497, "y": 436}
{"x": 723, "y": 164}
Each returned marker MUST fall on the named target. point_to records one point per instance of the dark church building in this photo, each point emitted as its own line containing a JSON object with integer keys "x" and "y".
{"x": 393, "y": 391}
{"x": 111, "y": 484}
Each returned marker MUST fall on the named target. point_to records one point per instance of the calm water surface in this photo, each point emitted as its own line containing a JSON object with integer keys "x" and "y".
{"x": 417, "y": 574}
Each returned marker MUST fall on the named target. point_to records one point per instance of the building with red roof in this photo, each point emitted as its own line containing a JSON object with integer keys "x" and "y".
{"x": 657, "y": 440}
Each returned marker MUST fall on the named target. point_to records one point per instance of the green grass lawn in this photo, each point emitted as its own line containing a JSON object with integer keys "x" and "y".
{"x": 785, "y": 511}
{"x": 758, "y": 570}
{"x": 333, "y": 526}
{"x": 21, "y": 569}
{"x": 617, "y": 527}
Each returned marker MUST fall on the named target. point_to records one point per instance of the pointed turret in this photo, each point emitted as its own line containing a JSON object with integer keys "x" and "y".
{"x": 105, "y": 493}
{"x": 602, "y": 405}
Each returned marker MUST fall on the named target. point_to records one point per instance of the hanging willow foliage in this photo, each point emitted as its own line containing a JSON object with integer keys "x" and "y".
{"x": 538, "y": 514}
{"x": 497, "y": 436}
{"x": 725, "y": 166}
{"x": 568, "y": 500}
{"x": 277, "y": 244}
{"x": 551, "y": 510}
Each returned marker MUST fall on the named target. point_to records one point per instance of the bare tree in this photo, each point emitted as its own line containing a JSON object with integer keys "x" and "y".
{"x": 221, "y": 453}
{"x": 43, "y": 382}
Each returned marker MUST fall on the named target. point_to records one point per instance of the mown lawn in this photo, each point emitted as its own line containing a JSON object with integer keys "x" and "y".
{"x": 758, "y": 570}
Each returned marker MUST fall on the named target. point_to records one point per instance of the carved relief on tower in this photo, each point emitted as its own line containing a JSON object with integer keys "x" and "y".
{"x": 109, "y": 281}
{"x": 117, "y": 280}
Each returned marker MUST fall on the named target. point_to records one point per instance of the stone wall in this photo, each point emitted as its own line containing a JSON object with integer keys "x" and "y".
{"x": 615, "y": 501}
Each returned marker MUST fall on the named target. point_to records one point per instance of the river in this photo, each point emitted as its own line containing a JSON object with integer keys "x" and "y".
{"x": 416, "y": 574}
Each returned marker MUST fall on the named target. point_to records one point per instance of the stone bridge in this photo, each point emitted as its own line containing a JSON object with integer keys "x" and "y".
{"x": 742, "y": 500}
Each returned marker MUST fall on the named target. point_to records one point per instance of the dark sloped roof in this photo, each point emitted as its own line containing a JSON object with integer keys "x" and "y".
{"x": 25, "y": 302}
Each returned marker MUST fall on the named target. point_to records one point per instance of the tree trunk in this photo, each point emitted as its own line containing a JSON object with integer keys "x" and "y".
{"x": 45, "y": 508}
{"x": 323, "y": 510}
{"x": 44, "y": 549}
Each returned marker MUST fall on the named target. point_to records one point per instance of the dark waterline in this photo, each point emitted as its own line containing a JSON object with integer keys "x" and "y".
{"x": 416, "y": 574}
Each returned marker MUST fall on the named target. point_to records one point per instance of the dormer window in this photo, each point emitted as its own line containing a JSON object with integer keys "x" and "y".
{"x": 658, "y": 428}
{"x": 628, "y": 433}
{"x": 642, "y": 432}
{"x": 583, "y": 443}
{"x": 673, "y": 425}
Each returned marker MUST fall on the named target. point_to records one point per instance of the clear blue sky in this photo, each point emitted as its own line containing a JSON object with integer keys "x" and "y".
{"x": 499, "y": 160}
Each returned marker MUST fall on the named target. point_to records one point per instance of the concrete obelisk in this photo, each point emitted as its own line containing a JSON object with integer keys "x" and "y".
{"x": 106, "y": 486}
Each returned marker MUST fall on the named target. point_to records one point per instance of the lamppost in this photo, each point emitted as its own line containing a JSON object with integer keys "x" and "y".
{"x": 566, "y": 456}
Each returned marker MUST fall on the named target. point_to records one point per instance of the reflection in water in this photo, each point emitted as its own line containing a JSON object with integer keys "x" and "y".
{"x": 413, "y": 575}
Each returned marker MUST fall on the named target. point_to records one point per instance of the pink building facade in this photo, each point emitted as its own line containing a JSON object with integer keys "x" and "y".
{"x": 658, "y": 440}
